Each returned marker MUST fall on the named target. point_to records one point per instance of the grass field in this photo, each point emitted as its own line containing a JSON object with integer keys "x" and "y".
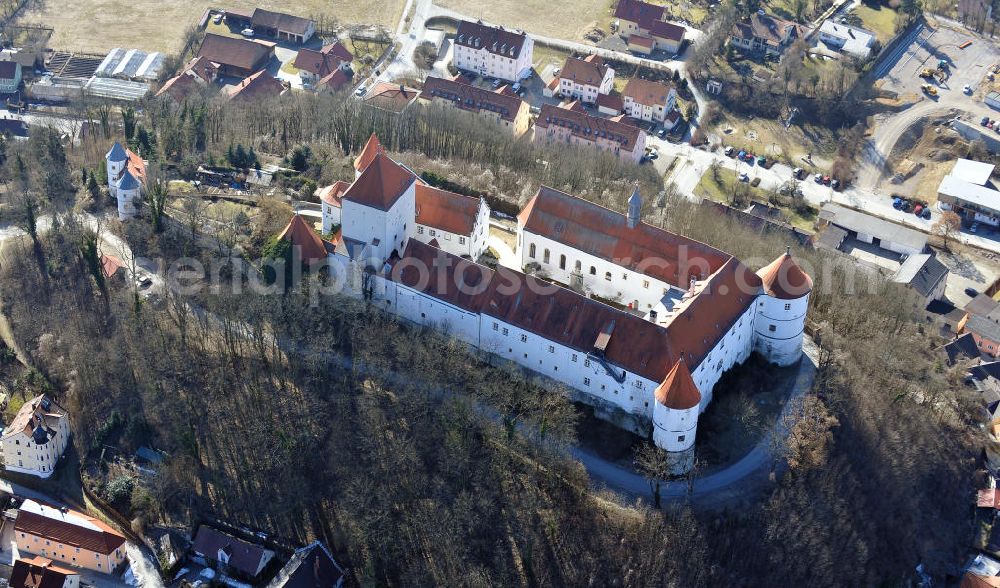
{"x": 881, "y": 21}
{"x": 157, "y": 25}
{"x": 566, "y": 20}
{"x": 729, "y": 184}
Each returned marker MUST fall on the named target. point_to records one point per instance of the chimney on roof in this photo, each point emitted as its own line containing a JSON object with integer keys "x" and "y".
{"x": 788, "y": 250}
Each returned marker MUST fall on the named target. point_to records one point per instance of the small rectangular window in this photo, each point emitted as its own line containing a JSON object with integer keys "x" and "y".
{"x": 788, "y": 307}
{"x": 586, "y": 381}
{"x": 645, "y": 283}
{"x": 574, "y": 358}
{"x": 524, "y": 338}
{"x": 420, "y": 230}
{"x": 772, "y": 328}
{"x": 433, "y": 232}
{"x": 461, "y": 240}
{"x": 504, "y": 331}
{"x": 496, "y": 326}
{"x": 586, "y": 363}
{"x": 680, "y": 438}
{"x": 552, "y": 349}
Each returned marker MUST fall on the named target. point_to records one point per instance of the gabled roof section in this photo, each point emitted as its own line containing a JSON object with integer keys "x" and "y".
{"x": 604, "y": 233}
{"x": 647, "y": 92}
{"x": 38, "y": 572}
{"x": 311, "y": 566}
{"x": 243, "y": 556}
{"x": 72, "y": 528}
{"x": 549, "y": 311}
{"x": 587, "y": 71}
{"x": 678, "y": 390}
{"x": 506, "y": 105}
{"x": 381, "y": 184}
{"x": 448, "y": 211}
{"x": 784, "y": 279}
{"x": 372, "y": 148}
{"x": 592, "y": 129}
{"x": 641, "y": 13}
{"x": 259, "y": 85}
{"x": 299, "y": 234}
{"x": 238, "y": 53}
{"x": 333, "y": 193}
{"x": 496, "y": 40}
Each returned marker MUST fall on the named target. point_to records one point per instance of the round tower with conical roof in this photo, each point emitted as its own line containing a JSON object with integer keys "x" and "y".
{"x": 675, "y": 412}
{"x": 781, "y": 310}
{"x": 115, "y": 161}
{"x": 127, "y": 191}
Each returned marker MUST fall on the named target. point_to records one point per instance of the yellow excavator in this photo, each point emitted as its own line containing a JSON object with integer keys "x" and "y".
{"x": 929, "y": 89}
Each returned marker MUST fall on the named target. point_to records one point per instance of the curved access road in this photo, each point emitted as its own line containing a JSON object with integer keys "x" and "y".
{"x": 734, "y": 483}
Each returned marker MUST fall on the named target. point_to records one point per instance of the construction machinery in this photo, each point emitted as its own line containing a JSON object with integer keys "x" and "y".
{"x": 929, "y": 89}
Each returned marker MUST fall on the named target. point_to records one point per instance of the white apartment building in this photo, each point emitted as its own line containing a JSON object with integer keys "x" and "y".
{"x": 492, "y": 51}
{"x": 585, "y": 79}
{"x": 452, "y": 222}
{"x": 37, "y": 437}
{"x": 648, "y": 100}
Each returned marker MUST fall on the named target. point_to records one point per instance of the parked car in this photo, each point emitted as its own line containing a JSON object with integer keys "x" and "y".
{"x": 741, "y": 154}
{"x": 247, "y": 32}
{"x": 835, "y": 184}
{"x": 797, "y": 173}
{"x": 744, "y": 177}
{"x": 971, "y": 292}
{"x": 967, "y": 89}
{"x": 661, "y": 133}
{"x": 974, "y": 228}
{"x": 926, "y": 214}
{"x": 818, "y": 178}
{"x": 750, "y": 158}
{"x": 496, "y": 84}
{"x": 360, "y": 91}
{"x": 516, "y": 87}
{"x": 897, "y": 203}
{"x": 761, "y": 160}
{"x": 728, "y": 151}
{"x": 985, "y": 121}
{"x": 653, "y": 153}
{"x": 906, "y": 206}
{"x": 826, "y": 180}
{"x": 918, "y": 209}
{"x": 217, "y": 19}
{"x": 755, "y": 182}
{"x": 143, "y": 281}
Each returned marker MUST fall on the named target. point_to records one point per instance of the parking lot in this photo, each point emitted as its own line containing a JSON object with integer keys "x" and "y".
{"x": 941, "y": 42}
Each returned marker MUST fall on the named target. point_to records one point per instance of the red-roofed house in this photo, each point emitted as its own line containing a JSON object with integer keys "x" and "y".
{"x": 330, "y": 201}
{"x": 390, "y": 96}
{"x": 461, "y": 224}
{"x": 648, "y": 100}
{"x": 314, "y": 65}
{"x": 68, "y": 537}
{"x": 40, "y": 572}
{"x": 585, "y": 79}
{"x": 636, "y": 18}
{"x": 564, "y": 124}
{"x": 259, "y": 86}
{"x": 503, "y": 107}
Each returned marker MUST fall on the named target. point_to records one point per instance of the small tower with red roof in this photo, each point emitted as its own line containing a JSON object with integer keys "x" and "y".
{"x": 675, "y": 412}
{"x": 372, "y": 148}
{"x": 781, "y": 310}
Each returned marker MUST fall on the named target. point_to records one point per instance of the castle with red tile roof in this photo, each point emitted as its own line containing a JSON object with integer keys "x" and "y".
{"x": 637, "y": 321}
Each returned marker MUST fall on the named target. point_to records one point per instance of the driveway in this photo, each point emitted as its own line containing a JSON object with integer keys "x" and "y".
{"x": 734, "y": 483}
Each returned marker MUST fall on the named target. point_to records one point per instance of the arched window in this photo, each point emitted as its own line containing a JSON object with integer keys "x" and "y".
{"x": 531, "y": 251}
{"x": 562, "y": 262}
{"x": 545, "y": 256}
{"x": 579, "y": 266}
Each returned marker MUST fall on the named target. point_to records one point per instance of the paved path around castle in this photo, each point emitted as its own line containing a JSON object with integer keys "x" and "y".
{"x": 736, "y": 482}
